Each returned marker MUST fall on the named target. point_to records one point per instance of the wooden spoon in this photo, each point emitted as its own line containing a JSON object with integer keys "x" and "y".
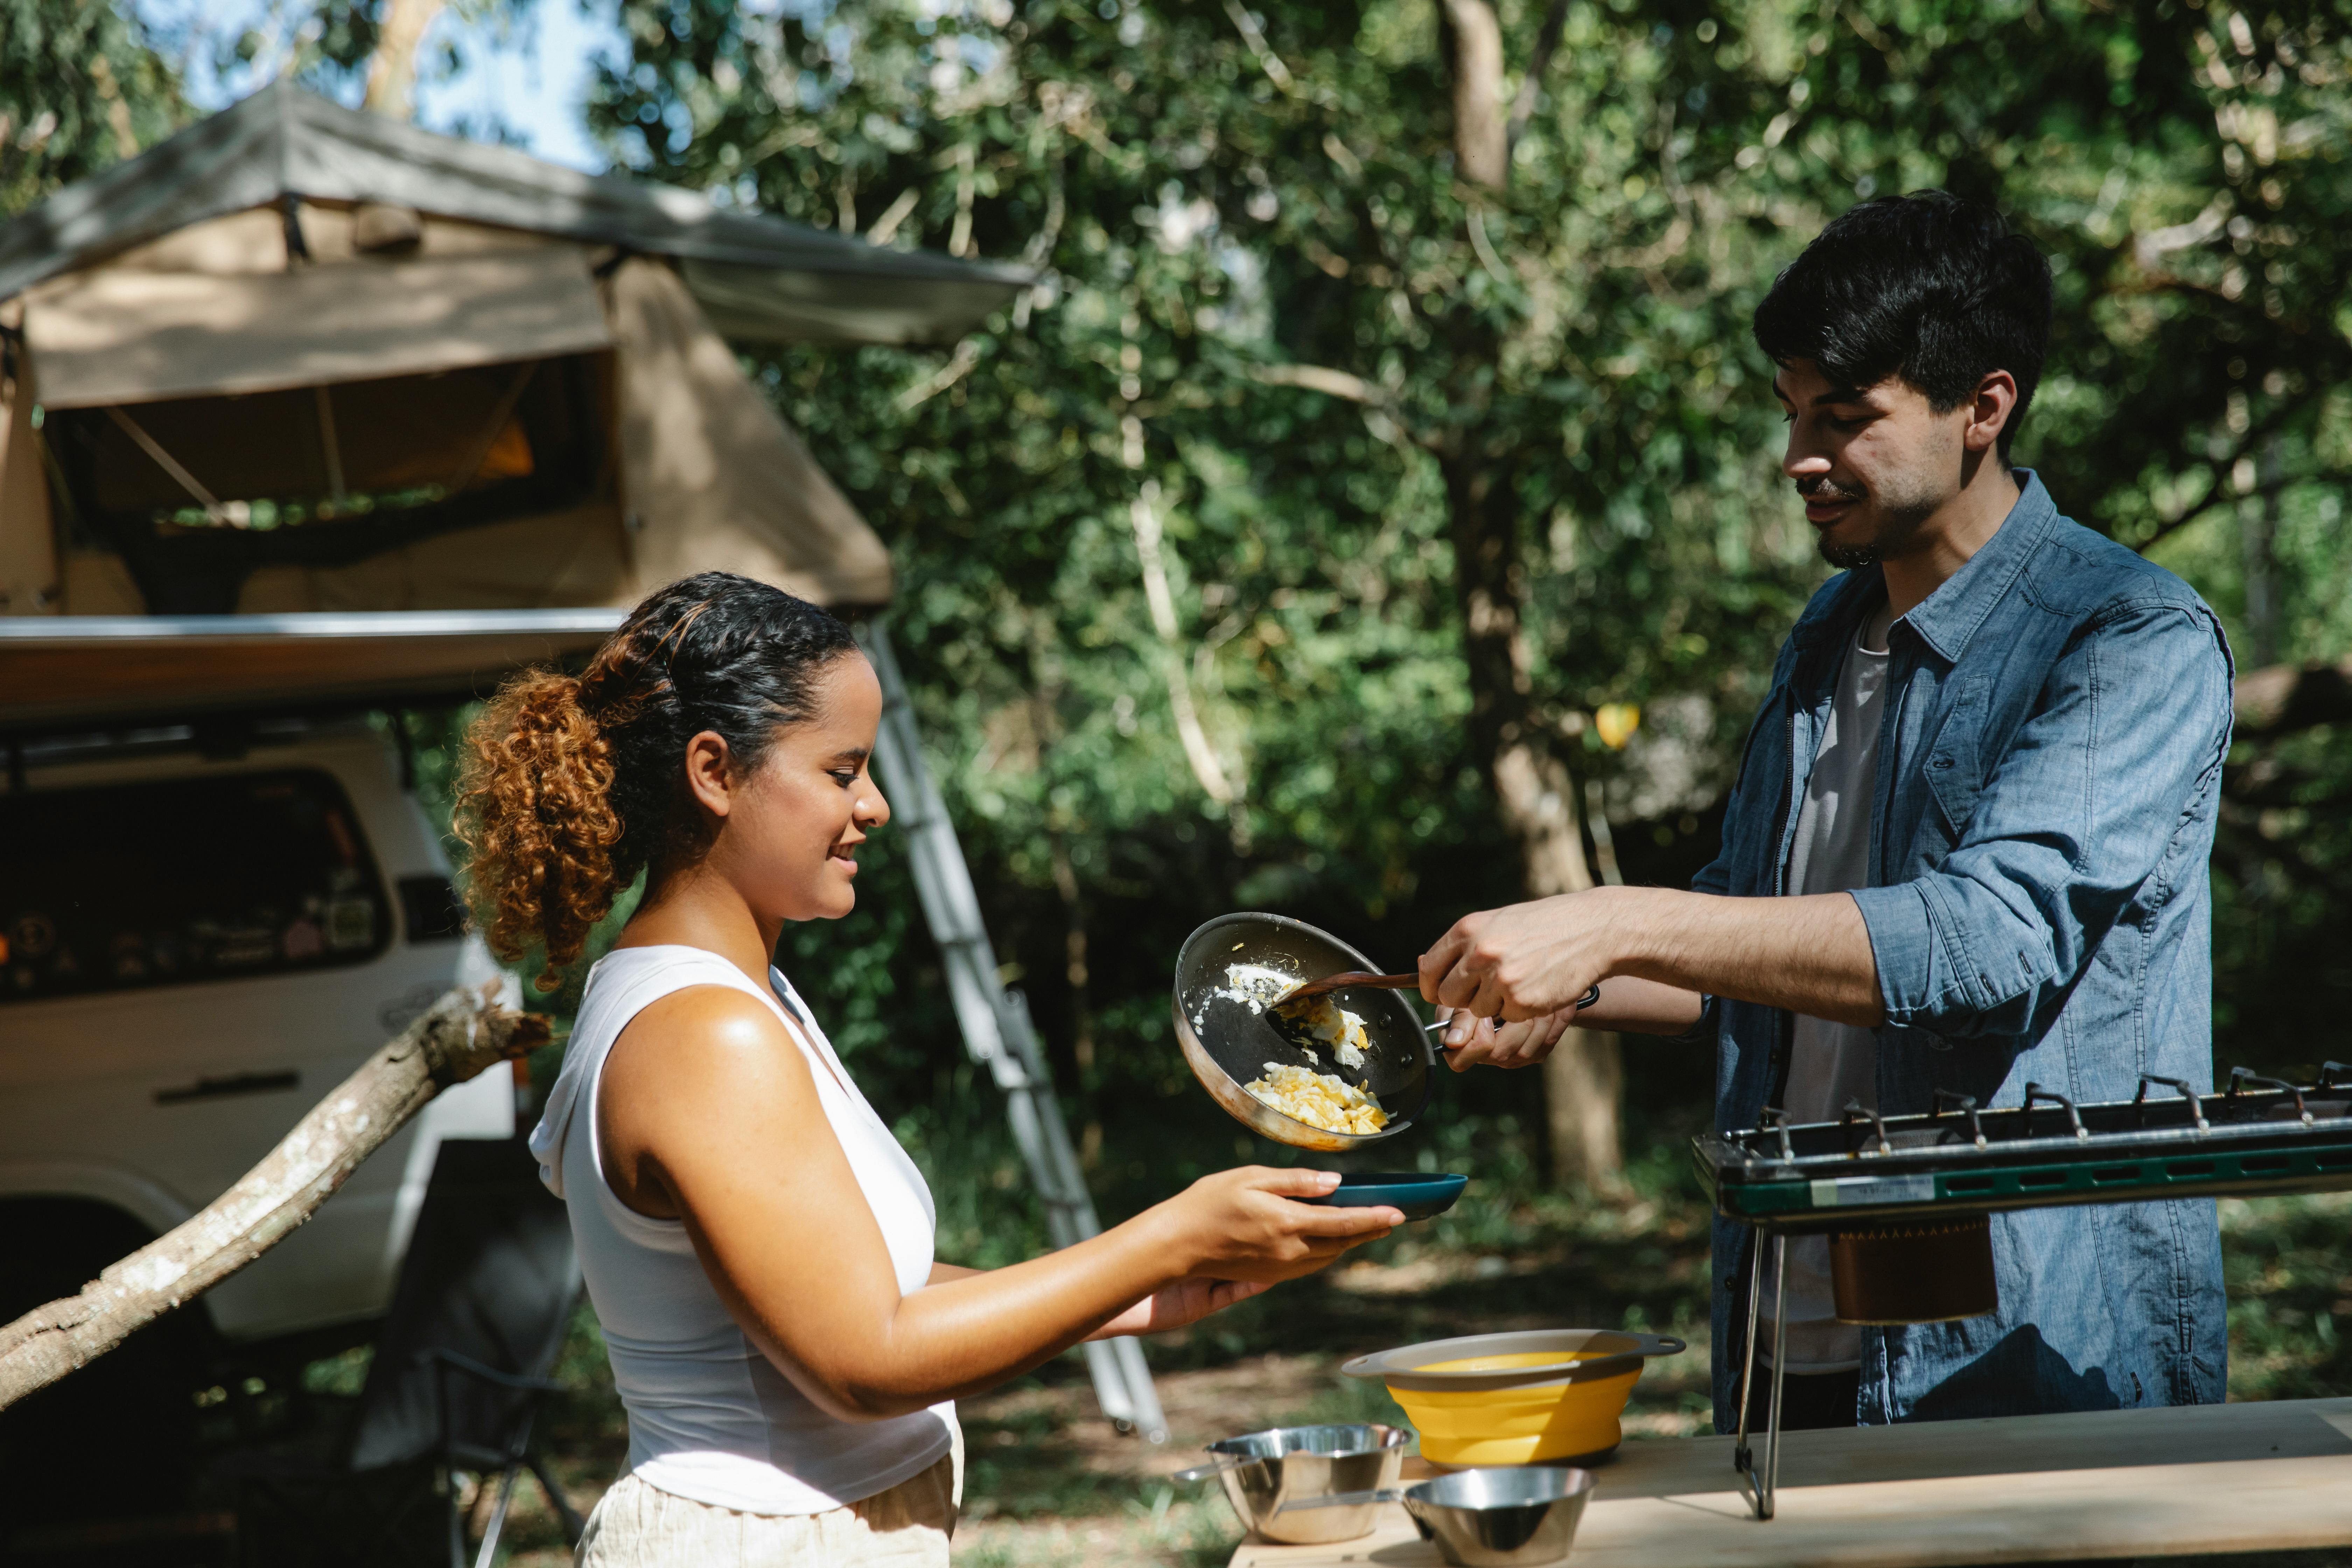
{"x": 1345, "y": 978}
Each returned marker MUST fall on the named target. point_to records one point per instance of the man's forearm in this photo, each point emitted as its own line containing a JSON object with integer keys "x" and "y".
{"x": 1809, "y": 955}
{"x": 1629, "y": 1004}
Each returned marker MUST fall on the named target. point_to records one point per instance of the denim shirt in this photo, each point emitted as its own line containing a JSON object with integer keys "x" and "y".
{"x": 2050, "y": 759}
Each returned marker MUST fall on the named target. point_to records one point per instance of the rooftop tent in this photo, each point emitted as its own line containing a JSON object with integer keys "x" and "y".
{"x": 303, "y": 358}
{"x": 772, "y": 278}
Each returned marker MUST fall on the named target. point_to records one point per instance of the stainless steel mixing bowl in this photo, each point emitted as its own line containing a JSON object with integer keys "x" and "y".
{"x": 1228, "y": 1044}
{"x": 1263, "y": 1471}
{"x": 1501, "y": 1516}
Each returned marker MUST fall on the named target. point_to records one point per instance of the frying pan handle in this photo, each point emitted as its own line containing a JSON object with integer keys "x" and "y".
{"x": 1587, "y": 1000}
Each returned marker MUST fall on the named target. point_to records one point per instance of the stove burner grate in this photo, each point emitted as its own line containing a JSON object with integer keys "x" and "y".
{"x": 1959, "y": 1162}
{"x": 2259, "y": 1135}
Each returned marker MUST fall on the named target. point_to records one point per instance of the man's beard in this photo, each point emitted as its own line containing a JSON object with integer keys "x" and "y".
{"x": 1851, "y": 557}
{"x": 1898, "y": 523}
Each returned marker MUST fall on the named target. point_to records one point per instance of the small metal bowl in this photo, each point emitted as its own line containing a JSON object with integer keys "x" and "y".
{"x": 1274, "y": 1466}
{"x": 1501, "y": 1516}
{"x": 1227, "y": 1044}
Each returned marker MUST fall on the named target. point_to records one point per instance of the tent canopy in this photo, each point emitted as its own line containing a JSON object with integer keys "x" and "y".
{"x": 120, "y": 335}
{"x": 807, "y": 285}
{"x": 301, "y": 358}
{"x": 85, "y": 670}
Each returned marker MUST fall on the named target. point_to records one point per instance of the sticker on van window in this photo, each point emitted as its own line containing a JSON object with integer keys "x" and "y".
{"x": 351, "y": 923}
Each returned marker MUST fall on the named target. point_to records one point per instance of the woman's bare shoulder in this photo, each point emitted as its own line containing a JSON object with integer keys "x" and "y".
{"x": 705, "y": 1042}
{"x": 701, "y": 1080}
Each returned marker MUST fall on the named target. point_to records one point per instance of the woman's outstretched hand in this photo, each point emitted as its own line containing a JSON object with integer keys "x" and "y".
{"x": 1179, "y": 1304}
{"x": 1243, "y": 1224}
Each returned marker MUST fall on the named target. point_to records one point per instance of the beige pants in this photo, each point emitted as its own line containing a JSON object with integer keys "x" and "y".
{"x": 909, "y": 1526}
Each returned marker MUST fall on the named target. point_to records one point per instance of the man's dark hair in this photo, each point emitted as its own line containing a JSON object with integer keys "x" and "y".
{"x": 1927, "y": 287}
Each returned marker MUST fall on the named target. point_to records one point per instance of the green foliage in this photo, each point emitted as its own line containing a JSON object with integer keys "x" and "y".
{"x": 2290, "y": 1295}
{"x": 1268, "y": 311}
{"x": 81, "y": 89}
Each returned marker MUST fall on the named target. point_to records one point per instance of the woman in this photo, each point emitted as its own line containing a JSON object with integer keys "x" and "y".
{"x": 757, "y": 1245}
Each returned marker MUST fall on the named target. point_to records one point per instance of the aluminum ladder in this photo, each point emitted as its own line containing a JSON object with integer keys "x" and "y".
{"x": 995, "y": 1021}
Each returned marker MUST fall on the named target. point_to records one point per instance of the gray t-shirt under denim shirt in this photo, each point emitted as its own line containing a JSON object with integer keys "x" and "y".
{"x": 1831, "y": 1063}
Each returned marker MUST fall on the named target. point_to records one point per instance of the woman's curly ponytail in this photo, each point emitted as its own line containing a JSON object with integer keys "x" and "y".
{"x": 535, "y": 812}
{"x": 572, "y": 786}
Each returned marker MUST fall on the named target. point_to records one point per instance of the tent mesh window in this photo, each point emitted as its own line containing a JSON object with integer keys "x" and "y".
{"x": 198, "y": 493}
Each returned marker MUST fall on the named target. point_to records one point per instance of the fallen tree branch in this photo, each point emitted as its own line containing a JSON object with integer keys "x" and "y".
{"x": 465, "y": 1031}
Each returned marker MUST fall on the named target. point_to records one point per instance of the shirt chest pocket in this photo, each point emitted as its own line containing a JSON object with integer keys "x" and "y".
{"x": 1955, "y": 764}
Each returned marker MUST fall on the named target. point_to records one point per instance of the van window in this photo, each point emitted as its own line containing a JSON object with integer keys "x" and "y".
{"x": 117, "y": 887}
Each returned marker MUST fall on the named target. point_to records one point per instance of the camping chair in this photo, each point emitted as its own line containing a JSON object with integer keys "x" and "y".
{"x": 485, "y": 1296}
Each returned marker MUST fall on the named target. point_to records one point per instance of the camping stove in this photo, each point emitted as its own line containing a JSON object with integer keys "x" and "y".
{"x": 1905, "y": 1199}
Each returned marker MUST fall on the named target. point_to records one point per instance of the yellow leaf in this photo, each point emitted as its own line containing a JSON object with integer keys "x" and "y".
{"x": 1615, "y": 723}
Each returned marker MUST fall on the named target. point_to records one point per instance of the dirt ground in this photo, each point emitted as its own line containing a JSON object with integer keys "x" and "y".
{"x": 1050, "y": 1484}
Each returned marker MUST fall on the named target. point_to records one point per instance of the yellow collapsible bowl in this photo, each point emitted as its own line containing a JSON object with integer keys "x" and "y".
{"x": 1544, "y": 1396}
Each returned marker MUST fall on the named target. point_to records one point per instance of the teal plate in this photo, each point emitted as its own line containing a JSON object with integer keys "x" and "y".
{"x": 1419, "y": 1195}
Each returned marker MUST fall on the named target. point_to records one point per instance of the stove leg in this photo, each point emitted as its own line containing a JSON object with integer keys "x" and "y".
{"x": 1742, "y": 1460}
{"x": 1779, "y": 1371}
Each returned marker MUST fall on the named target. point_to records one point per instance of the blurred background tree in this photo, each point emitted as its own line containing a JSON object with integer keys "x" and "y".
{"x": 1387, "y": 406}
{"x": 1385, "y": 416}
{"x": 1382, "y": 440}
{"x": 80, "y": 88}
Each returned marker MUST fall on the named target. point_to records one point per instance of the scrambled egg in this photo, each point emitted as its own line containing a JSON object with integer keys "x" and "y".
{"x": 1255, "y": 986}
{"x": 1259, "y": 989}
{"x": 1318, "y": 1100}
{"x": 1339, "y": 1029}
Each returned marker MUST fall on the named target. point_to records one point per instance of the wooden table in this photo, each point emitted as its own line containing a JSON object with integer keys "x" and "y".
{"x": 2205, "y": 1479}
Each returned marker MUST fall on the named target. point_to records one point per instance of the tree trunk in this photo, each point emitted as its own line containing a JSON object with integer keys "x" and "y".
{"x": 391, "y": 69}
{"x": 465, "y": 1031}
{"x": 2287, "y": 698}
{"x": 1584, "y": 1075}
{"x": 1481, "y": 143}
{"x": 2258, "y": 520}
{"x": 1584, "y": 1087}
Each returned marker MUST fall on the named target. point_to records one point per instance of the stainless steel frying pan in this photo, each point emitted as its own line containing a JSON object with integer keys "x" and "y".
{"x": 1228, "y": 1044}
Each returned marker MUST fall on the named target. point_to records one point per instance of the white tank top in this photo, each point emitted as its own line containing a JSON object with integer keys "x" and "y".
{"x": 710, "y": 1418}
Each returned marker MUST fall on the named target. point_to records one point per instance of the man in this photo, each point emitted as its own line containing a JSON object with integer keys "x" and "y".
{"x": 1966, "y": 849}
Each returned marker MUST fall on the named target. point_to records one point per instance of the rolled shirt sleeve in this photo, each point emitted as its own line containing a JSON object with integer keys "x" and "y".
{"x": 2105, "y": 795}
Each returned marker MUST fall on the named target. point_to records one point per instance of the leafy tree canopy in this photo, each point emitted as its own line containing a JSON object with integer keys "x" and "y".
{"x": 80, "y": 88}
{"x": 1386, "y": 401}
{"x": 1276, "y": 320}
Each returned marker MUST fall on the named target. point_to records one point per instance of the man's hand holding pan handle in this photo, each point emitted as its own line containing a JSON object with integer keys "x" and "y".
{"x": 1512, "y": 978}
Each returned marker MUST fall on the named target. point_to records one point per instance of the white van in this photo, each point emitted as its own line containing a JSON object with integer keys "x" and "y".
{"x": 218, "y": 896}
{"x": 194, "y": 949}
